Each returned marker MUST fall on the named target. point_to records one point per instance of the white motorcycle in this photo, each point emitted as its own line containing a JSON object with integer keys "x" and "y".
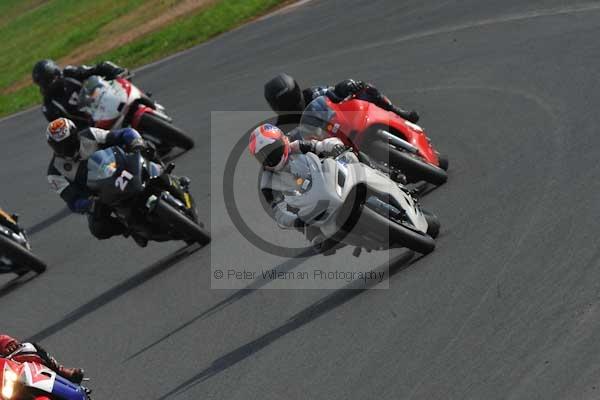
{"x": 118, "y": 103}
{"x": 354, "y": 204}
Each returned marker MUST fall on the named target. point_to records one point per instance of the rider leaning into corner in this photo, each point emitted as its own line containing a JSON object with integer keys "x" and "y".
{"x": 283, "y": 171}
{"x": 288, "y": 100}
{"x": 60, "y": 87}
{"x": 67, "y": 171}
{"x": 30, "y": 352}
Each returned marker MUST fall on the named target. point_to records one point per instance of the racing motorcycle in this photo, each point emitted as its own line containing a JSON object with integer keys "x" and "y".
{"x": 399, "y": 147}
{"x": 354, "y": 204}
{"x": 118, "y": 103}
{"x": 15, "y": 250}
{"x": 145, "y": 196}
{"x": 35, "y": 381}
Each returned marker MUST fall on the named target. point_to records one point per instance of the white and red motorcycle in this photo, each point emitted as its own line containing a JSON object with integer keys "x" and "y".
{"x": 118, "y": 103}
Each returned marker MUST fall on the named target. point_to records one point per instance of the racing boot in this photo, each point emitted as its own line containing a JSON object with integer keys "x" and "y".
{"x": 411, "y": 116}
{"x": 184, "y": 182}
{"x": 74, "y": 375}
{"x": 140, "y": 240}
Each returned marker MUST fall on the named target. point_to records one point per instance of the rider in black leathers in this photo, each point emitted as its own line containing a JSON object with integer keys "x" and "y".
{"x": 61, "y": 87}
{"x": 288, "y": 100}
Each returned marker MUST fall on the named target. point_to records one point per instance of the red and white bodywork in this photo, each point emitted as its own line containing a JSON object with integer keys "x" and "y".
{"x": 110, "y": 103}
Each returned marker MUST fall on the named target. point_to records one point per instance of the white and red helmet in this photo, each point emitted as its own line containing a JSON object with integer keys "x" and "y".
{"x": 270, "y": 146}
{"x": 63, "y": 137}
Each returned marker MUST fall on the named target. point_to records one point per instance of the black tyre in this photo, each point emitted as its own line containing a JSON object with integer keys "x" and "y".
{"x": 21, "y": 256}
{"x": 414, "y": 167}
{"x": 398, "y": 234}
{"x": 190, "y": 231}
{"x": 166, "y": 132}
{"x": 443, "y": 158}
{"x": 433, "y": 224}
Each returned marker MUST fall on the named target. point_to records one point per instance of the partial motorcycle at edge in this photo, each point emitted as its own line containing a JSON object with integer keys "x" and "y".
{"x": 15, "y": 249}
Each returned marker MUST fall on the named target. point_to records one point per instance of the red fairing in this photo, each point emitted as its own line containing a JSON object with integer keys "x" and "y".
{"x": 31, "y": 358}
{"x": 138, "y": 115}
{"x": 354, "y": 117}
{"x": 105, "y": 124}
{"x": 126, "y": 85}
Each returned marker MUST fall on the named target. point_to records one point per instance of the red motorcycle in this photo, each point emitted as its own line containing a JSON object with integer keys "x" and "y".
{"x": 388, "y": 139}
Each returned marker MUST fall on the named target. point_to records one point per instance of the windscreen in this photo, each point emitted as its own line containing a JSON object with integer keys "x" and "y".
{"x": 101, "y": 165}
{"x": 315, "y": 119}
{"x": 91, "y": 90}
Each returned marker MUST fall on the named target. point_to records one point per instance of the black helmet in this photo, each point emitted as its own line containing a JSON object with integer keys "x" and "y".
{"x": 63, "y": 137}
{"x": 283, "y": 94}
{"x": 45, "y": 72}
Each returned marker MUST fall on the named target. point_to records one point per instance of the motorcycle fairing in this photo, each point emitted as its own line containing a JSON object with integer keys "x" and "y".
{"x": 332, "y": 184}
{"x": 114, "y": 174}
{"x": 350, "y": 121}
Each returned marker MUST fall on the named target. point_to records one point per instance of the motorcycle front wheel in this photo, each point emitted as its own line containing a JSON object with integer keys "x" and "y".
{"x": 20, "y": 256}
{"x": 398, "y": 234}
{"x": 188, "y": 229}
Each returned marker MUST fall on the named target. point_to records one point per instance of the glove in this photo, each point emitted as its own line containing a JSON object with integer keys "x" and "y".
{"x": 84, "y": 205}
{"x": 285, "y": 218}
{"x": 413, "y": 117}
{"x": 330, "y": 146}
{"x": 349, "y": 87}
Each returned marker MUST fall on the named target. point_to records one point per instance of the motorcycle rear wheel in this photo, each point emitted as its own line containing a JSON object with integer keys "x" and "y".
{"x": 414, "y": 167}
{"x": 21, "y": 256}
{"x": 165, "y": 131}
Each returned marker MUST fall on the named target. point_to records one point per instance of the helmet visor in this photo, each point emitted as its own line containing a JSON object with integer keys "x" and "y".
{"x": 271, "y": 155}
{"x": 68, "y": 147}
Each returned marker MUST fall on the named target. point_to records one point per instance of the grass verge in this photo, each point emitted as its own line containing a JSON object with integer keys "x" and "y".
{"x": 35, "y": 35}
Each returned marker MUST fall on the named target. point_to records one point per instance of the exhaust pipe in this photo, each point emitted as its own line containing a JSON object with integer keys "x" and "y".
{"x": 396, "y": 141}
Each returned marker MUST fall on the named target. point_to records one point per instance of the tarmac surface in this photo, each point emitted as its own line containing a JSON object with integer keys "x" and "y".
{"x": 507, "y": 307}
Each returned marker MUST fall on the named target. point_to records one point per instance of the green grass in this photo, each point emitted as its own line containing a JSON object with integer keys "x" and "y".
{"x": 189, "y": 31}
{"x": 53, "y": 29}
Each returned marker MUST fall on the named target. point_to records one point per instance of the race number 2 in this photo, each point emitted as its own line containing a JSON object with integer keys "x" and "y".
{"x": 122, "y": 181}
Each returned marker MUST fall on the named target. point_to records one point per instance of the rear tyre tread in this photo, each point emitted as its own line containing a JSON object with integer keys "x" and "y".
{"x": 165, "y": 131}
{"x": 414, "y": 168}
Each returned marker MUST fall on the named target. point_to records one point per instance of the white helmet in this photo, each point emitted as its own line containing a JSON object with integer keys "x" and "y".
{"x": 270, "y": 146}
{"x": 63, "y": 137}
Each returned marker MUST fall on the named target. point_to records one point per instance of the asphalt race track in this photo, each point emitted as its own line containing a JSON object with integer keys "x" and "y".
{"x": 507, "y": 307}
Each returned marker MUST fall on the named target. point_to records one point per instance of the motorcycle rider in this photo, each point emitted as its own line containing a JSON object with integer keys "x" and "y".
{"x": 60, "y": 87}
{"x": 31, "y": 352}
{"x": 283, "y": 171}
{"x": 288, "y": 100}
{"x": 67, "y": 171}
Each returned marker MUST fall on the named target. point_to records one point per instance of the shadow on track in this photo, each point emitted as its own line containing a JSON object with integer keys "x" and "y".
{"x": 117, "y": 291}
{"x": 240, "y": 294}
{"x": 16, "y": 283}
{"x": 318, "y": 309}
{"x": 51, "y": 220}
